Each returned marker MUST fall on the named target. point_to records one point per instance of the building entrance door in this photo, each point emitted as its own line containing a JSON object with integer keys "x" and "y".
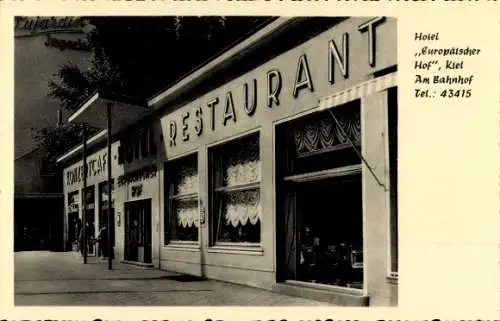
{"x": 74, "y": 227}
{"x": 138, "y": 231}
{"x": 91, "y": 233}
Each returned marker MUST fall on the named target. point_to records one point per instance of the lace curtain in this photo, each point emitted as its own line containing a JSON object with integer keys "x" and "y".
{"x": 242, "y": 207}
{"x": 187, "y": 181}
{"x": 242, "y": 166}
{"x": 322, "y": 133}
{"x": 187, "y": 213}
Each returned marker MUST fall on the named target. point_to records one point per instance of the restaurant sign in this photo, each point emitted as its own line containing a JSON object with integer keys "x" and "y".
{"x": 337, "y": 63}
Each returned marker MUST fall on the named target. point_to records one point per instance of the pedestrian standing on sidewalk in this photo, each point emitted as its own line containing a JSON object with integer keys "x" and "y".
{"x": 103, "y": 241}
{"x": 80, "y": 240}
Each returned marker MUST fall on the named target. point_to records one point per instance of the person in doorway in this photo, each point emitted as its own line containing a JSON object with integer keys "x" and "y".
{"x": 75, "y": 238}
{"x": 312, "y": 256}
{"x": 80, "y": 240}
{"x": 307, "y": 257}
{"x": 89, "y": 238}
{"x": 134, "y": 241}
{"x": 102, "y": 238}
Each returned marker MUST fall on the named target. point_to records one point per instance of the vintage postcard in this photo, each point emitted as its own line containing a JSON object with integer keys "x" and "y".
{"x": 250, "y": 160}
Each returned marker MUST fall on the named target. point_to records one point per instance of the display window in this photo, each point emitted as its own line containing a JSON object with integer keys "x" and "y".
{"x": 320, "y": 212}
{"x": 139, "y": 146}
{"x": 90, "y": 218}
{"x": 183, "y": 219}
{"x": 73, "y": 202}
{"x": 104, "y": 211}
{"x": 236, "y": 176}
{"x": 74, "y": 222}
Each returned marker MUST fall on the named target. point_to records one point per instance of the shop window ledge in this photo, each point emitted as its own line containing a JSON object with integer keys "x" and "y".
{"x": 183, "y": 246}
{"x": 324, "y": 293}
{"x": 185, "y": 278}
{"x": 237, "y": 249}
{"x": 141, "y": 264}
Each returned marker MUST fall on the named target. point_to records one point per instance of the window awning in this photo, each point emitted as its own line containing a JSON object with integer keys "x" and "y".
{"x": 361, "y": 90}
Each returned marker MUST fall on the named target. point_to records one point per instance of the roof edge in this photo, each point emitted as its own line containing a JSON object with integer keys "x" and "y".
{"x": 106, "y": 95}
{"x": 76, "y": 150}
{"x": 157, "y": 100}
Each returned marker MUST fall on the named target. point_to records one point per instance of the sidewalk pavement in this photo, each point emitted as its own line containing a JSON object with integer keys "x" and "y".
{"x": 61, "y": 279}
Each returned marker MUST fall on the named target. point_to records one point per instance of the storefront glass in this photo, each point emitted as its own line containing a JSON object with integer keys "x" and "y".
{"x": 236, "y": 191}
{"x": 74, "y": 223}
{"x": 319, "y": 178}
{"x": 103, "y": 209}
{"x": 182, "y": 189}
{"x": 90, "y": 219}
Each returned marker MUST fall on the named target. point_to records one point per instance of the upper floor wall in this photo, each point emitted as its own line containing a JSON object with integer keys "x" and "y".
{"x": 346, "y": 54}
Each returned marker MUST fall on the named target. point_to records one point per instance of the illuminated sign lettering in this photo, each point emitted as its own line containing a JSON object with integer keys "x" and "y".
{"x": 338, "y": 57}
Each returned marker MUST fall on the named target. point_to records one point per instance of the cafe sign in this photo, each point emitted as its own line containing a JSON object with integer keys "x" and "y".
{"x": 96, "y": 166}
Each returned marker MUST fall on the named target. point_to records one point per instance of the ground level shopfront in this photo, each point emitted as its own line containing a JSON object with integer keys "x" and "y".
{"x": 135, "y": 198}
{"x": 282, "y": 176}
{"x": 290, "y": 166}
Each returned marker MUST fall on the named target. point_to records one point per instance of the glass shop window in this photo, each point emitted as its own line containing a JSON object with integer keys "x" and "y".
{"x": 183, "y": 219}
{"x": 104, "y": 211}
{"x": 90, "y": 210}
{"x": 319, "y": 194}
{"x": 235, "y": 175}
{"x": 74, "y": 222}
{"x": 73, "y": 201}
{"x": 140, "y": 145}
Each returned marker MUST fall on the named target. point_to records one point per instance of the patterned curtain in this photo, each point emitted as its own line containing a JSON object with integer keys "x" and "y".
{"x": 242, "y": 207}
{"x": 187, "y": 181}
{"x": 187, "y": 213}
{"x": 242, "y": 167}
{"x": 187, "y": 210}
{"x": 322, "y": 132}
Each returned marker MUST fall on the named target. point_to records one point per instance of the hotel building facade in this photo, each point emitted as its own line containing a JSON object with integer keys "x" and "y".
{"x": 274, "y": 165}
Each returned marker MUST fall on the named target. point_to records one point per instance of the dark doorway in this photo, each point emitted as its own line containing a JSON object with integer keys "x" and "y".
{"x": 138, "y": 231}
{"x": 38, "y": 223}
{"x": 103, "y": 221}
{"x": 74, "y": 226}
{"x": 91, "y": 232}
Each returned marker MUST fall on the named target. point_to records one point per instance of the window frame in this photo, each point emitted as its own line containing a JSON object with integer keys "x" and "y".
{"x": 103, "y": 206}
{"x": 214, "y": 151}
{"x": 169, "y": 213}
{"x": 287, "y": 176}
{"x": 76, "y": 202}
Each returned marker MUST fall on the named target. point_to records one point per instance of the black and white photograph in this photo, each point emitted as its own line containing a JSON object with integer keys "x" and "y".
{"x": 206, "y": 161}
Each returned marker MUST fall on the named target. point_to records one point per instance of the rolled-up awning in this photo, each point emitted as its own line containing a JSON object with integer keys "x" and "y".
{"x": 360, "y": 90}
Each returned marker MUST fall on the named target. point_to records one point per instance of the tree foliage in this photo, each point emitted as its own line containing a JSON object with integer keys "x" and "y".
{"x": 138, "y": 56}
{"x": 52, "y": 140}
